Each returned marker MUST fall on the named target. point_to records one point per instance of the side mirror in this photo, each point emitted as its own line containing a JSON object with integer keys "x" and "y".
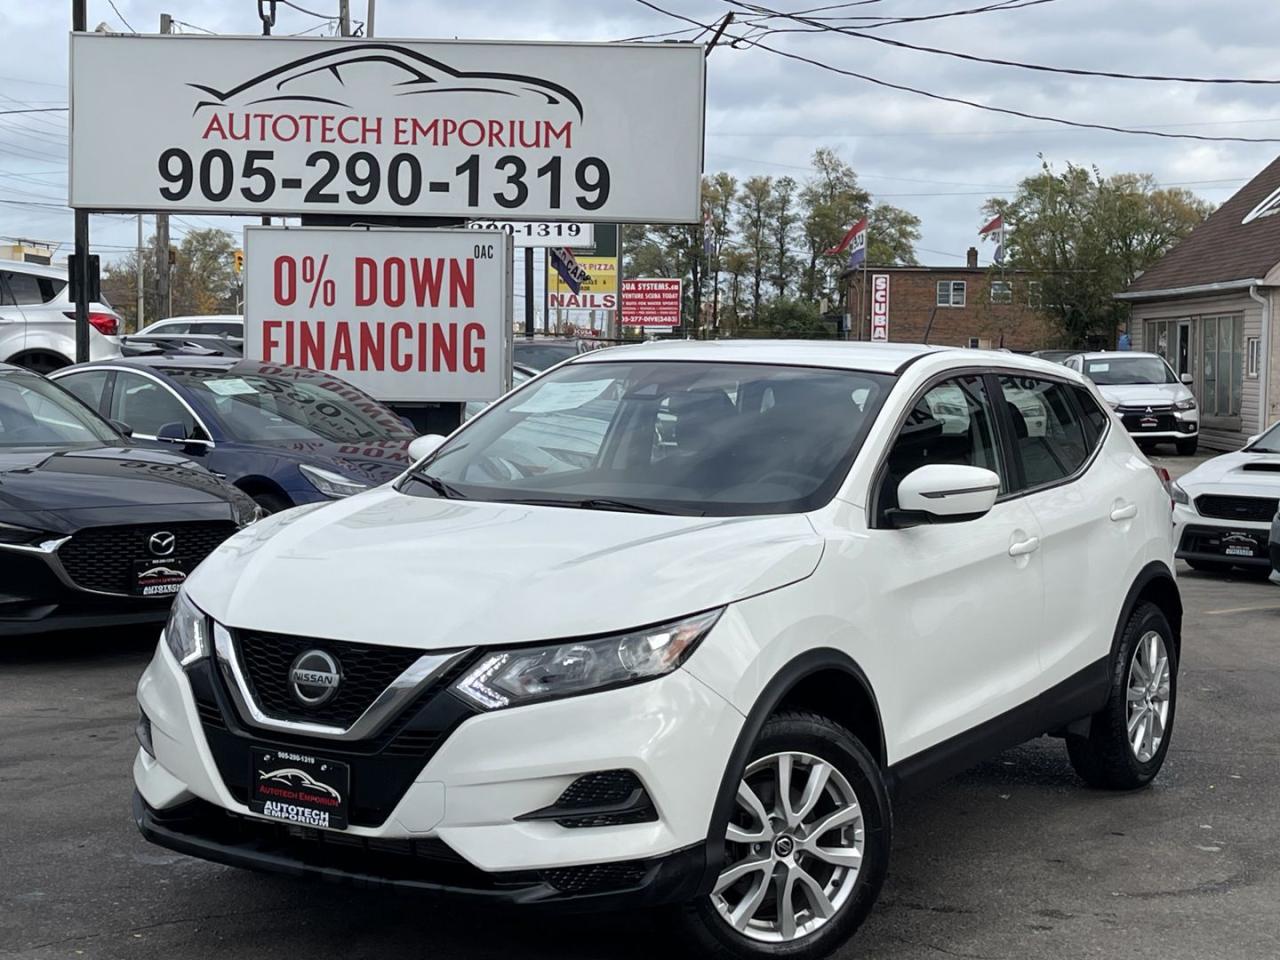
{"x": 944, "y": 493}
{"x": 1250, "y": 442}
{"x": 172, "y": 433}
{"x": 1187, "y": 378}
{"x": 424, "y": 446}
{"x": 122, "y": 428}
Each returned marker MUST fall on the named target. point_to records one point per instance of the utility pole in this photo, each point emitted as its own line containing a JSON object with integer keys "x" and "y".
{"x": 368, "y": 19}
{"x": 140, "y": 319}
{"x": 79, "y": 23}
{"x": 344, "y": 17}
{"x": 267, "y": 14}
{"x": 528, "y": 291}
{"x": 164, "y": 296}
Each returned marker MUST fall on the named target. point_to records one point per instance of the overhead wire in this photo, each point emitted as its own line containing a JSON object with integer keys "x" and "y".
{"x": 120, "y": 15}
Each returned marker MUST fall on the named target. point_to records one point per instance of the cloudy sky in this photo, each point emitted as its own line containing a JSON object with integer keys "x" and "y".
{"x": 766, "y": 114}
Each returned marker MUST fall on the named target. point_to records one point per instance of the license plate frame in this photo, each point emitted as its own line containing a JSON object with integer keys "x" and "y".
{"x": 299, "y": 788}
{"x": 161, "y": 577}
{"x": 1239, "y": 544}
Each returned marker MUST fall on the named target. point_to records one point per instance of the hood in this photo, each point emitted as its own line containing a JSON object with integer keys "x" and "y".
{"x": 383, "y": 567}
{"x": 1241, "y": 473}
{"x": 54, "y": 482}
{"x": 373, "y": 462}
{"x": 1144, "y": 394}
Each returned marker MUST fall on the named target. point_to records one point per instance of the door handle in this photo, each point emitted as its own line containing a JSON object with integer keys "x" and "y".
{"x": 1024, "y": 547}
{"x": 1126, "y": 512}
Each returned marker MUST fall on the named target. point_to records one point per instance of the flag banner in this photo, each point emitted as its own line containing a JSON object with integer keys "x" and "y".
{"x": 996, "y": 224}
{"x": 708, "y": 241}
{"x": 859, "y": 229}
{"x": 858, "y": 248}
{"x": 998, "y": 256}
{"x": 566, "y": 265}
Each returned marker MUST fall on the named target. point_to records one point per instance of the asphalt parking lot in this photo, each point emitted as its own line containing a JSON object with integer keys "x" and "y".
{"x": 1014, "y": 859}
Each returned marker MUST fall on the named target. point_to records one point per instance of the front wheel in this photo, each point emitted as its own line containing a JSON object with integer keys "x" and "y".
{"x": 806, "y": 848}
{"x": 1129, "y": 738}
{"x": 1187, "y": 447}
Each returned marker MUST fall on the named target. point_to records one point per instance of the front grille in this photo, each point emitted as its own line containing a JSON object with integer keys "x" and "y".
{"x": 366, "y": 670}
{"x": 597, "y": 877}
{"x": 1164, "y": 422}
{"x": 1143, "y": 408}
{"x": 103, "y": 558}
{"x": 1249, "y": 509}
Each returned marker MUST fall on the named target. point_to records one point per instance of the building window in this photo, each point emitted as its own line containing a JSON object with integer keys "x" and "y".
{"x": 974, "y": 343}
{"x": 951, "y": 293}
{"x": 1035, "y": 294}
{"x": 1252, "y": 357}
{"x": 1001, "y": 291}
{"x": 1222, "y": 340}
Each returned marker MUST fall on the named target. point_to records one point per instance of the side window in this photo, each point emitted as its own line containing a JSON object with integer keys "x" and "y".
{"x": 177, "y": 327}
{"x": 1095, "y": 418}
{"x": 146, "y": 406}
{"x": 87, "y": 386}
{"x": 24, "y": 289}
{"x": 954, "y": 422}
{"x": 49, "y": 288}
{"x": 1048, "y": 434}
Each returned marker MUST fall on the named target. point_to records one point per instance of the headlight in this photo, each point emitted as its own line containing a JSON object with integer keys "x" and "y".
{"x": 509, "y": 678}
{"x": 1179, "y": 495}
{"x": 10, "y": 533}
{"x": 1187, "y": 404}
{"x": 187, "y": 631}
{"x": 329, "y": 483}
{"x": 1114, "y": 404}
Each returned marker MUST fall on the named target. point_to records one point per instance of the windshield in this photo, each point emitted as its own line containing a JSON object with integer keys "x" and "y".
{"x": 1117, "y": 370}
{"x": 1269, "y": 442}
{"x": 542, "y": 355}
{"x": 291, "y": 405}
{"x": 714, "y": 439}
{"x": 36, "y": 413}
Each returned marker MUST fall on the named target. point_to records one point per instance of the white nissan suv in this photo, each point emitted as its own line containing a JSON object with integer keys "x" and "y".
{"x": 674, "y": 624}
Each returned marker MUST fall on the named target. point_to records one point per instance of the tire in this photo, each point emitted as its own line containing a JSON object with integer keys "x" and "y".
{"x": 41, "y": 363}
{"x": 1187, "y": 448}
{"x": 1107, "y": 757}
{"x": 850, "y": 773}
{"x": 1209, "y": 566}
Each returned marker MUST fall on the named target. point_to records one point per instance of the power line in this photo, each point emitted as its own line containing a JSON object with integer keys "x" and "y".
{"x": 1007, "y": 111}
{"x": 38, "y": 110}
{"x": 1044, "y": 68}
{"x": 300, "y": 9}
{"x": 193, "y": 26}
{"x": 127, "y": 24}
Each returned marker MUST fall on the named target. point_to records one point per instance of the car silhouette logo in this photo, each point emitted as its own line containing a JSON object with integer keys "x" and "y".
{"x": 293, "y": 777}
{"x": 314, "y": 678}
{"x": 161, "y": 543}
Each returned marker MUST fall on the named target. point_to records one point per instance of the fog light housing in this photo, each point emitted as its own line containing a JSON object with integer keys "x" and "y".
{"x": 606, "y": 798}
{"x": 142, "y": 733}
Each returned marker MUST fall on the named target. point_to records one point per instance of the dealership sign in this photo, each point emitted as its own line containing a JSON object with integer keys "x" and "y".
{"x": 575, "y": 236}
{"x": 249, "y": 125}
{"x": 404, "y": 314}
{"x": 599, "y": 291}
{"x": 650, "y": 303}
{"x": 880, "y": 306}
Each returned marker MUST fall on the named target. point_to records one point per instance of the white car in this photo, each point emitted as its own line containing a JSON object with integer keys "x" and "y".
{"x": 1154, "y": 404}
{"x": 37, "y": 319}
{"x": 1224, "y": 508}
{"x": 571, "y": 657}
{"x": 211, "y": 325}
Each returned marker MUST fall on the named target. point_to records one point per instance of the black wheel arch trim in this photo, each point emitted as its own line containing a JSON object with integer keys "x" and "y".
{"x": 1151, "y": 573}
{"x": 775, "y": 691}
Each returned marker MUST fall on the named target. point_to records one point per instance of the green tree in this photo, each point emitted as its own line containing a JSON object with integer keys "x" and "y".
{"x": 783, "y": 217}
{"x": 202, "y": 279}
{"x": 1084, "y": 237}
{"x": 755, "y": 206}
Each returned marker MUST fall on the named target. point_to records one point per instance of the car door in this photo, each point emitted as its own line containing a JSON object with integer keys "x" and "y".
{"x": 962, "y": 601}
{"x": 89, "y": 386}
{"x": 1085, "y": 512}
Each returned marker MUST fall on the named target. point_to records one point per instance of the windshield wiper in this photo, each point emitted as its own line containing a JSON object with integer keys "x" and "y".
{"x": 439, "y": 486}
{"x": 596, "y": 503}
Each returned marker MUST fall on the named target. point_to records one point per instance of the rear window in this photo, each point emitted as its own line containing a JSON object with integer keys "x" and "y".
{"x": 24, "y": 288}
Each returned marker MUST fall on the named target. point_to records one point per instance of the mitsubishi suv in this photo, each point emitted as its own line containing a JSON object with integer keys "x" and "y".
{"x": 1154, "y": 404}
{"x": 674, "y": 624}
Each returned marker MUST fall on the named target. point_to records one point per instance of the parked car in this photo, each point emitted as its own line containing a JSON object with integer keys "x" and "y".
{"x": 1224, "y": 508}
{"x": 284, "y": 435}
{"x": 213, "y": 325}
{"x": 519, "y": 374}
{"x": 37, "y": 319}
{"x": 539, "y": 353}
{"x": 93, "y": 530}
{"x": 1273, "y": 547}
{"x": 571, "y": 657}
{"x": 1154, "y": 404}
{"x": 1053, "y": 356}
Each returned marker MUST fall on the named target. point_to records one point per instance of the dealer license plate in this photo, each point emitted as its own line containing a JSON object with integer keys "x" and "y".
{"x": 1239, "y": 545}
{"x": 159, "y": 578}
{"x": 299, "y": 788}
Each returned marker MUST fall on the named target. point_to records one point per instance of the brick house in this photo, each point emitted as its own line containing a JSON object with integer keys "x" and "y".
{"x": 967, "y": 306}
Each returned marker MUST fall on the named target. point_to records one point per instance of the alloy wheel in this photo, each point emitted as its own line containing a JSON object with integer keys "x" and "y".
{"x": 794, "y": 848}
{"x": 1149, "y": 696}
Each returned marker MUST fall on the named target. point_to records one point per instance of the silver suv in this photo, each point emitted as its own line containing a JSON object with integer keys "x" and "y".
{"x": 37, "y": 319}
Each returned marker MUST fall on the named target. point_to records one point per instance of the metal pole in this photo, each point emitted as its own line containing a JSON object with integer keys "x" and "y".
{"x": 344, "y": 17}
{"x": 164, "y": 294}
{"x": 546, "y": 290}
{"x": 140, "y": 319}
{"x": 368, "y": 19}
{"x": 79, "y": 23}
{"x": 267, "y": 15}
{"x": 528, "y": 291}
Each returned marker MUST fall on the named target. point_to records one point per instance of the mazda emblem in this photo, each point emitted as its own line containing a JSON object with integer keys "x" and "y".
{"x": 161, "y": 543}
{"x": 314, "y": 678}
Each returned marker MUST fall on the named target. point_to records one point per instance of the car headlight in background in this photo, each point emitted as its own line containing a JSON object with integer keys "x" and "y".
{"x": 1187, "y": 404}
{"x": 1179, "y": 495}
{"x": 187, "y": 632}
{"x": 329, "y": 483}
{"x": 510, "y": 678}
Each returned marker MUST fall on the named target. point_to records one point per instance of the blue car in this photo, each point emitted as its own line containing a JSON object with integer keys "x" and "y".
{"x": 284, "y": 435}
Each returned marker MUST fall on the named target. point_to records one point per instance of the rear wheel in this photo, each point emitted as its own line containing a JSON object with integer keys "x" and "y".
{"x": 1187, "y": 447}
{"x": 806, "y": 848}
{"x": 1129, "y": 738}
{"x": 41, "y": 361}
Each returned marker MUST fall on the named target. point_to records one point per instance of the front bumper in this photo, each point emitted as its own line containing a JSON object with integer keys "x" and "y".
{"x": 1210, "y": 539}
{"x": 466, "y": 789}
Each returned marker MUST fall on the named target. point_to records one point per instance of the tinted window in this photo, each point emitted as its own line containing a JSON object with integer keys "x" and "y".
{"x": 22, "y": 288}
{"x": 146, "y": 406}
{"x": 1047, "y": 432}
{"x": 36, "y": 413}
{"x": 541, "y": 355}
{"x": 227, "y": 329}
{"x": 1095, "y": 418}
{"x": 1118, "y": 369}
{"x": 88, "y": 386}
{"x": 953, "y": 422}
{"x": 718, "y": 439}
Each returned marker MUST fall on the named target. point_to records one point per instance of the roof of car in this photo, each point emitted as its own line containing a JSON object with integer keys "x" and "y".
{"x": 35, "y": 269}
{"x": 1114, "y": 354}
{"x": 201, "y": 318}
{"x": 852, "y": 355}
